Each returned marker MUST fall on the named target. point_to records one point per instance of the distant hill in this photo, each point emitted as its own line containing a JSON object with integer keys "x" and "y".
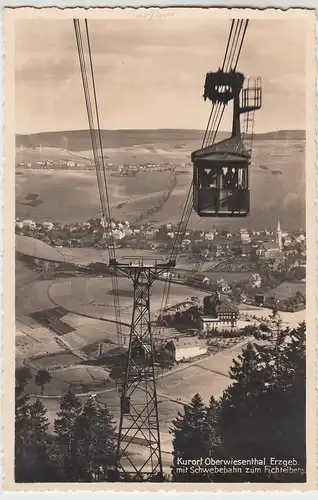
{"x": 79, "y": 140}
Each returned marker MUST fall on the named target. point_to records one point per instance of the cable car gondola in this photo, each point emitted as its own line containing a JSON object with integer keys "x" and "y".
{"x": 221, "y": 170}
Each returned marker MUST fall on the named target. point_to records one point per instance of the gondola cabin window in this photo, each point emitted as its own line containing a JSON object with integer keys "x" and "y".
{"x": 221, "y": 188}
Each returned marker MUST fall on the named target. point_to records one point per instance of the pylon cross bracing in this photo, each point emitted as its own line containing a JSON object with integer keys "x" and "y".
{"x": 139, "y": 419}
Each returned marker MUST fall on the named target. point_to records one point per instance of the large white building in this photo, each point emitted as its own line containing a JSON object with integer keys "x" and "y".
{"x": 226, "y": 320}
{"x": 185, "y": 348}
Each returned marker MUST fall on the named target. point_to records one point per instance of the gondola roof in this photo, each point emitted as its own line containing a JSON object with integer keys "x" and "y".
{"x": 229, "y": 149}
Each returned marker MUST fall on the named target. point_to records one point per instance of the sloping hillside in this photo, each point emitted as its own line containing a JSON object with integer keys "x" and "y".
{"x": 79, "y": 140}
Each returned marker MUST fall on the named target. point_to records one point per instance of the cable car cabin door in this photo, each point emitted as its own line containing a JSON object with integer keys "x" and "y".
{"x": 220, "y": 187}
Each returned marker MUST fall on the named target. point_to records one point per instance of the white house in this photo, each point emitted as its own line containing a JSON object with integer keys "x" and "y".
{"x": 255, "y": 280}
{"x": 301, "y": 238}
{"x": 185, "y": 348}
{"x": 103, "y": 223}
{"x": 186, "y": 242}
{"x": 117, "y": 234}
{"x": 209, "y": 236}
{"x": 48, "y": 226}
{"x": 287, "y": 241}
{"x": 30, "y": 224}
{"x": 168, "y": 274}
{"x": 245, "y": 237}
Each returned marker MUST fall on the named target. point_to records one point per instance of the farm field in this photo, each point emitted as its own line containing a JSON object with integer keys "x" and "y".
{"x": 23, "y": 274}
{"x": 184, "y": 384}
{"x": 290, "y": 319}
{"x": 72, "y": 196}
{"x": 87, "y": 305}
{"x": 286, "y": 290}
{"x": 36, "y": 248}
{"x": 81, "y": 378}
{"x": 93, "y": 296}
{"x": 283, "y": 178}
{"x": 81, "y": 256}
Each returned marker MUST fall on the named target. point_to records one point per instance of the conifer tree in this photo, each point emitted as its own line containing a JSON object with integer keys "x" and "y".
{"x": 95, "y": 434}
{"x": 189, "y": 439}
{"x": 38, "y": 465}
{"x": 214, "y": 443}
{"x": 84, "y": 435}
{"x": 66, "y": 445}
{"x": 22, "y": 425}
{"x": 32, "y": 455}
{"x": 106, "y": 442}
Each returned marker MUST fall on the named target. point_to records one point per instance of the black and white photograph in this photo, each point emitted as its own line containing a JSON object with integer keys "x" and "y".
{"x": 162, "y": 175}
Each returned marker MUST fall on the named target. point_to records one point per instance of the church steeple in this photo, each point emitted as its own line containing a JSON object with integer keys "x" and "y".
{"x": 279, "y": 236}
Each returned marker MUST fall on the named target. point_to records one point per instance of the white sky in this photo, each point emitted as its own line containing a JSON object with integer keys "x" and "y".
{"x": 150, "y": 74}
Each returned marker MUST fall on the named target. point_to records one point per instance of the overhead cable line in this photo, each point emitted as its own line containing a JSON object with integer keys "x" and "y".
{"x": 230, "y": 61}
{"x": 97, "y": 147}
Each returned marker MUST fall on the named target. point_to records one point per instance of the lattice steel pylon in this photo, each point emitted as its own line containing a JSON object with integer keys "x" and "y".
{"x": 139, "y": 419}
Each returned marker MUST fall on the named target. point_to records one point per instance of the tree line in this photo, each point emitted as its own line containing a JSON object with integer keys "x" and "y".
{"x": 262, "y": 414}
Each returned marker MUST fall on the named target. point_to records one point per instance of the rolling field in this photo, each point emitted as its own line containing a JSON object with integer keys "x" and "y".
{"x": 93, "y": 297}
{"x": 286, "y": 290}
{"x": 81, "y": 378}
{"x": 72, "y": 196}
{"x": 85, "y": 256}
{"x": 80, "y": 256}
{"x": 277, "y": 187}
{"x": 23, "y": 274}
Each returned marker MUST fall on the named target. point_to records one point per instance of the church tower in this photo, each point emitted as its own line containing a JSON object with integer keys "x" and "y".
{"x": 279, "y": 236}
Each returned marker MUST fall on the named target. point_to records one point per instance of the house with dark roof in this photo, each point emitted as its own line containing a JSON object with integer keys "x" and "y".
{"x": 268, "y": 250}
{"x": 225, "y": 319}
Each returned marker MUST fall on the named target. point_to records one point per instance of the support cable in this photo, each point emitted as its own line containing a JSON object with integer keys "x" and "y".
{"x": 96, "y": 140}
{"x": 215, "y": 119}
